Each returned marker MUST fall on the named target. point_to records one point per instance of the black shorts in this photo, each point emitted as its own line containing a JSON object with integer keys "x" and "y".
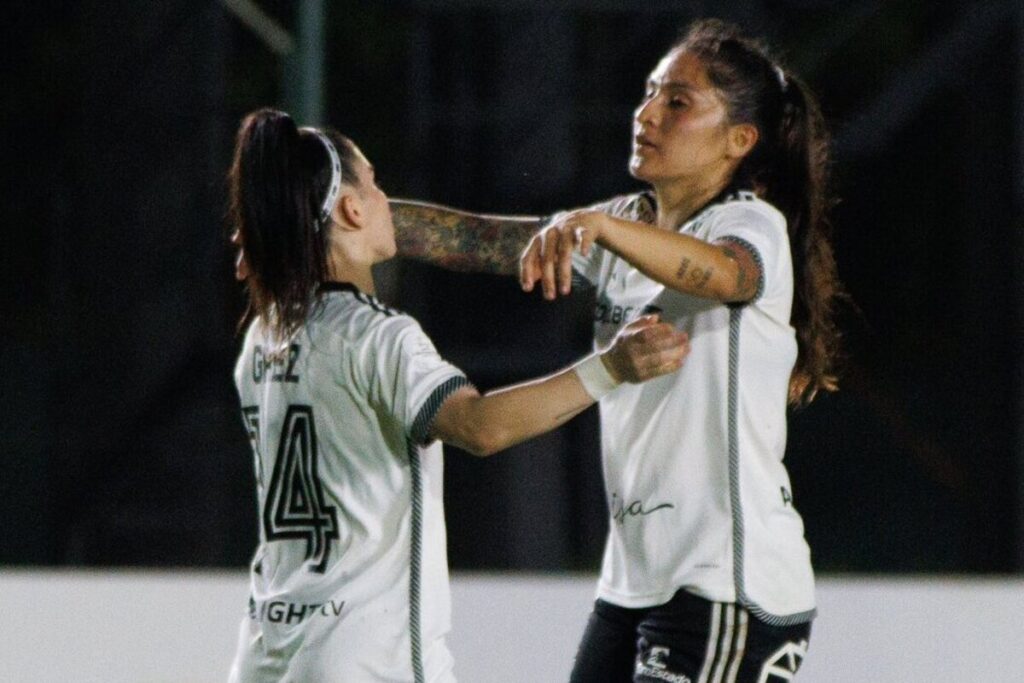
{"x": 687, "y": 640}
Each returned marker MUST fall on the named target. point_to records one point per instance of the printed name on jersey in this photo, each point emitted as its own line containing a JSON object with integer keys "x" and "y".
{"x": 296, "y": 508}
{"x": 275, "y": 367}
{"x": 278, "y": 611}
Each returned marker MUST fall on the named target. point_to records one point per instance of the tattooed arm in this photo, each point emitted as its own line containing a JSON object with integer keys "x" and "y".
{"x": 724, "y": 270}
{"x": 462, "y": 241}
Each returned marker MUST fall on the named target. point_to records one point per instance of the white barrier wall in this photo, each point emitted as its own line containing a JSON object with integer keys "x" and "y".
{"x": 164, "y": 627}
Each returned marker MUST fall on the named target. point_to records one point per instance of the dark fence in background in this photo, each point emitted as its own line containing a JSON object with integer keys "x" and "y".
{"x": 117, "y": 415}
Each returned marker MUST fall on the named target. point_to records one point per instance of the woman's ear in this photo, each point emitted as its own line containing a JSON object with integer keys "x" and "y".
{"x": 350, "y": 209}
{"x": 742, "y": 138}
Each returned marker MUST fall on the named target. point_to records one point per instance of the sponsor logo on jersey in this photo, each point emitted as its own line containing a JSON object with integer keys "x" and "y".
{"x": 281, "y": 612}
{"x": 608, "y": 313}
{"x": 636, "y": 508}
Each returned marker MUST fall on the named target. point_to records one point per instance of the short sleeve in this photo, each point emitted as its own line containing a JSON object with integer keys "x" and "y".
{"x": 408, "y": 376}
{"x": 759, "y": 228}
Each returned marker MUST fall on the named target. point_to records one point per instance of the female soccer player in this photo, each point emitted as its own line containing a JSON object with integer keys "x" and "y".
{"x": 706, "y": 575}
{"x": 342, "y": 398}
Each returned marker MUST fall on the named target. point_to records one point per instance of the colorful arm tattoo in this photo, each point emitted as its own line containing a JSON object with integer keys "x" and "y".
{"x": 461, "y": 241}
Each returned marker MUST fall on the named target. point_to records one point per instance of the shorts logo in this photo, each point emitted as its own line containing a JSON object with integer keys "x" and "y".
{"x": 656, "y": 657}
{"x": 783, "y": 664}
{"x": 653, "y": 665}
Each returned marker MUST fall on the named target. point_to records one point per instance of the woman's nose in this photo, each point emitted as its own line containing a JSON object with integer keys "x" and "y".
{"x": 646, "y": 112}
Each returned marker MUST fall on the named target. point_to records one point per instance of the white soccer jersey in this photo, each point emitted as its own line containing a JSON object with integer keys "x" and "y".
{"x": 699, "y": 497}
{"x": 350, "y": 581}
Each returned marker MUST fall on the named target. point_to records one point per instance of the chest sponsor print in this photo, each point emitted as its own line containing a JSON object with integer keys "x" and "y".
{"x": 623, "y": 509}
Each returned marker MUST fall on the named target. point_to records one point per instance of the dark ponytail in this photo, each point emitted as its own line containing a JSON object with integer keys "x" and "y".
{"x": 278, "y": 180}
{"x": 800, "y": 189}
{"x": 788, "y": 167}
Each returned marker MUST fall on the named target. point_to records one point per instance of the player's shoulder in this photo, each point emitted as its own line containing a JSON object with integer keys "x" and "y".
{"x": 744, "y": 206}
{"x": 636, "y": 206}
{"x": 348, "y": 314}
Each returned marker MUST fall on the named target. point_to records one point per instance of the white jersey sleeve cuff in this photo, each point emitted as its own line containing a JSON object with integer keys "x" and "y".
{"x": 428, "y": 411}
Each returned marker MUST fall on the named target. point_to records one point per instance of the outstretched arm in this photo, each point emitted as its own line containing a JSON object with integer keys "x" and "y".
{"x": 724, "y": 270}
{"x": 461, "y": 241}
{"x": 504, "y": 417}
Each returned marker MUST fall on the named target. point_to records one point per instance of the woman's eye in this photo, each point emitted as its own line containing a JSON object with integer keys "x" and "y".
{"x": 676, "y": 103}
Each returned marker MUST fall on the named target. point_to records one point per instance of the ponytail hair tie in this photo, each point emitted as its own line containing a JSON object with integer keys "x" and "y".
{"x": 334, "y": 188}
{"x": 781, "y": 76}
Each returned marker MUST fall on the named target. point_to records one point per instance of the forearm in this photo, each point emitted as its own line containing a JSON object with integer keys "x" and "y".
{"x": 484, "y": 425}
{"x": 643, "y": 350}
{"x": 682, "y": 262}
{"x": 461, "y": 241}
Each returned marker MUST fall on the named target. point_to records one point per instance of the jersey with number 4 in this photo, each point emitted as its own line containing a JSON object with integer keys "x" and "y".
{"x": 350, "y": 580}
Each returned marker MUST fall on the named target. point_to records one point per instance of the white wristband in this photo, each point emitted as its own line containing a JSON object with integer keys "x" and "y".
{"x": 594, "y": 376}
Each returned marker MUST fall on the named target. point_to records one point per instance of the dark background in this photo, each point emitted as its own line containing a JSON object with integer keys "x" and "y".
{"x": 119, "y": 427}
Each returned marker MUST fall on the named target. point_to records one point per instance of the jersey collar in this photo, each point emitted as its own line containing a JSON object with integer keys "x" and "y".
{"x": 338, "y": 287}
{"x": 728, "y": 192}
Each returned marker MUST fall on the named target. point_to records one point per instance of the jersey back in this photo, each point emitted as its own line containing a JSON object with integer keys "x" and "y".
{"x": 350, "y": 580}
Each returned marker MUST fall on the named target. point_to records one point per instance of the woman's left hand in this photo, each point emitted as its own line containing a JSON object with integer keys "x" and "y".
{"x": 548, "y": 256}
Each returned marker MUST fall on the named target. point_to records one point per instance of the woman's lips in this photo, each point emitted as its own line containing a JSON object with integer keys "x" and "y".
{"x": 640, "y": 142}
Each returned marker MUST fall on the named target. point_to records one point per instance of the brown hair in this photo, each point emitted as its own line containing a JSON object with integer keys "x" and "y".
{"x": 278, "y": 181}
{"x": 789, "y": 167}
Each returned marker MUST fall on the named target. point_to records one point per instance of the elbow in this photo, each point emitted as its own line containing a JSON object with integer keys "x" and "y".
{"x": 485, "y": 441}
{"x": 712, "y": 291}
{"x": 472, "y": 425}
{"x": 724, "y": 288}
{"x": 723, "y": 295}
{"x": 729, "y": 287}
{"x": 735, "y": 295}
